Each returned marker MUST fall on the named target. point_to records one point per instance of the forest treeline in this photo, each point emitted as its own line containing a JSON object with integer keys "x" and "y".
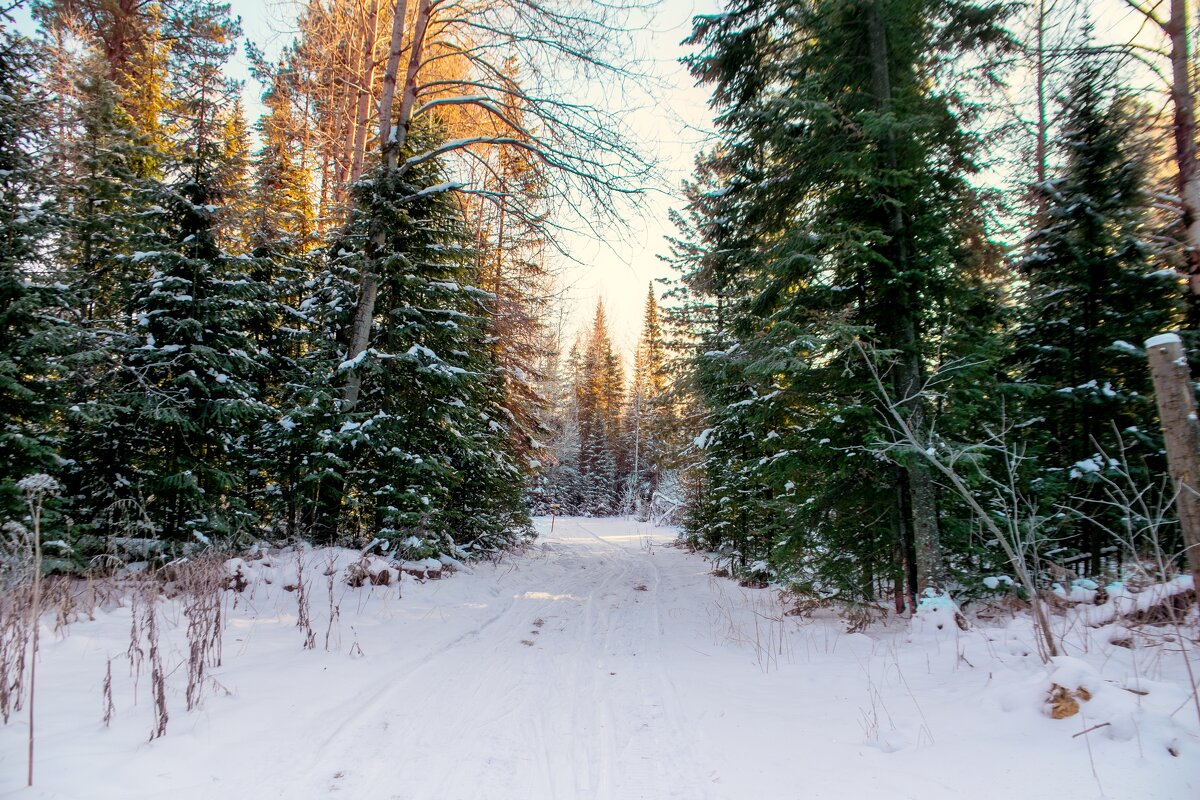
{"x": 925, "y": 234}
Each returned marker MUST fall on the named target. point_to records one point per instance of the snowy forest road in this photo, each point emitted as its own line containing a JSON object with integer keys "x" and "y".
{"x": 600, "y": 663}
{"x": 561, "y": 692}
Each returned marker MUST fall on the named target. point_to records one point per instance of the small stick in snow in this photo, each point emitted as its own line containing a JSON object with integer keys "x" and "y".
{"x": 1089, "y": 730}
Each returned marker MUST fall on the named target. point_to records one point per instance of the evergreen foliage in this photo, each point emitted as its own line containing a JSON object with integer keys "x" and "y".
{"x": 107, "y": 204}
{"x": 648, "y": 420}
{"x": 168, "y": 432}
{"x": 837, "y": 209}
{"x": 281, "y": 214}
{"x": 424, "y": 455}
{"x": 1092, "y": 296}
{"x": 181, "y": 319}
{"x": 32, "y": 334}
{"x": 599, "y": 392}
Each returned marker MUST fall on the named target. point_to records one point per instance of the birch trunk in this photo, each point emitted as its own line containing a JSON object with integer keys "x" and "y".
{"x": 1181, "y": 434}
{"x": 408, "y": 100}
{"x": 388, "y": 98}
{"x": 392, "y": 143}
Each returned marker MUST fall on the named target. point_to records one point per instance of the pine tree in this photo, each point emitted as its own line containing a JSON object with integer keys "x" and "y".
{"x": 1092, "y": 296}
{"x": 132, "y": 40}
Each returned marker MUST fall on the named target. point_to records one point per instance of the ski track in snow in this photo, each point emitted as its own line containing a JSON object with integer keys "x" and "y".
{"x": 596, "y": 665}
{"x": 584, "y": 712}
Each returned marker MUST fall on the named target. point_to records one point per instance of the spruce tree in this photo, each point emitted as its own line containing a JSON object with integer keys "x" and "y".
{"x": 31, "y": 340}
{"x": 648, "y": 418}
{"x": 422, "y": 460}
{"x": 1092, "y": 296}
{"x": 107, "y": 203}
{"x": 839, "y": 211}
{"x": 289, "y": 322}
{"x": 560, "y": 488}
{"x": 282, "y": 207}
{"x": 598, "y": 393}
{"x": 112, "y": 218}
{"x": 174, "y": 415}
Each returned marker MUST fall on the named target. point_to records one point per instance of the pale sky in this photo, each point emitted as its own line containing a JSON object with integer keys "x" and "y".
{"x": 672, "y": 126}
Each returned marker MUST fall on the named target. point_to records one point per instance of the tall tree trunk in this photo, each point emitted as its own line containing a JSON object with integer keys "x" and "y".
{"x": 388, "y": 98}
{"x": 1042, "y": 133}
{"x": 339, "y": 167}
{"x": 408, "y": 100}
{"x": 922, "y": 494}
{"x": 1188, "y": 181}
{"x": 1181, "y": 433}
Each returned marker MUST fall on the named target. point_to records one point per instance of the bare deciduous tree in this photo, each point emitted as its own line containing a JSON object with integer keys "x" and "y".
{"x": 546, "y": 117}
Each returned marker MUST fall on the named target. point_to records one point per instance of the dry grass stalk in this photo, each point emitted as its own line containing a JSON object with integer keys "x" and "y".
{"x": 158, "y": 678}
{"x": 59, "y": 596}
{"x": 14, "y": 647}
{"x": 303, "y": 611}
{"x": 36, "y": 488}
{"x": 16, "y": 600}
{"x": 201, "y": 583}
{"x": 134, "y": 652}
{"x": 109, "y": 707}
{"x": 335, "y": 609}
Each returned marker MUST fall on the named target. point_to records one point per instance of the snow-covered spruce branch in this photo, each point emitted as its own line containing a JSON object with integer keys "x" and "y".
{"x": 1016, "y": 537}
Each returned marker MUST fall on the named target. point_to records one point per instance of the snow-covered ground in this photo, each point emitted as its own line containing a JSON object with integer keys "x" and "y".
{"x": 600, "y": 664}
